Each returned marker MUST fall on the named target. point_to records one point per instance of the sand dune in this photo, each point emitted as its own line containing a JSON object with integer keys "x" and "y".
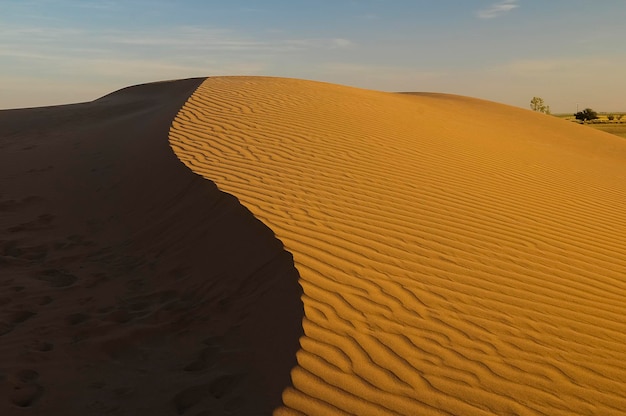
{"x": 128, "y": 284}
{"x": 454, "y": 256}
{"x": 457, "y": 256}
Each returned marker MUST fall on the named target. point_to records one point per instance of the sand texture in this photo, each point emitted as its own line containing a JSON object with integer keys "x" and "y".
{"x": 128, "y": 284}
{"x": 457, "y": 256}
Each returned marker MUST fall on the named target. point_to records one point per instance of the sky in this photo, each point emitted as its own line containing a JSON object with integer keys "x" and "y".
{"x": 571, "y": 53}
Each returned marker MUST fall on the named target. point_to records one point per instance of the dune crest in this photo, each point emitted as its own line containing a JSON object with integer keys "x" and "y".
{"x": 128, "y": 284}
{"x": 457, "y": 256}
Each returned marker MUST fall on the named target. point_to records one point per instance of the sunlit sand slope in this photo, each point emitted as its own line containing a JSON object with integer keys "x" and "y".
{"x": 457, "y": 256}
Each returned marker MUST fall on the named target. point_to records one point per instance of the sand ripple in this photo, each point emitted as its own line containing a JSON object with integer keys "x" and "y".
{"x": 457, "y": 256}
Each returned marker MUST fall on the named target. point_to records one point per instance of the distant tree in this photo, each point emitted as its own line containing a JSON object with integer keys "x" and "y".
{"x": 619, "y": 117}
{"x": 537, "y": 104}
{"x": 586, "y": 115}
{"x": 610, "y": 117}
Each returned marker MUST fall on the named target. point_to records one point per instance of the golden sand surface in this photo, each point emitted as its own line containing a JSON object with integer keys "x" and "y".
{"x": 457, "y": 256}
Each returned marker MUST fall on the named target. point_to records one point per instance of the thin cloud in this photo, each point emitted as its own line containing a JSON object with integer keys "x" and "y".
{"x": 173, "y": 42}
{"x": 565, "y": 67}
{"x": 198, "y": 39}
{"x": 320, "y": 43}
{"x": 117, "y": 57}
{"x": 498, "y": 9}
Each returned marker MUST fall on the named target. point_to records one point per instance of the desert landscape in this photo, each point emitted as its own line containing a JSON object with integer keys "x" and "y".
{"x": 129, "y": 285}
{"x": 244, "y": 245}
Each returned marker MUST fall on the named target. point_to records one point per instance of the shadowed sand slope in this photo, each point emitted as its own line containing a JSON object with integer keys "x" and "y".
{"x": 128, "y": 284}
{"x": 457, "y": 256}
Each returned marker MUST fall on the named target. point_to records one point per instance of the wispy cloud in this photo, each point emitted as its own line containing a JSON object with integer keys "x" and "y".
{"x": 175, "y": 41}
{"x": 125, "y": 56}
{"x": 320, "y": 43}
{"x": 565, "y": 67}
{"x": 497, "y": 9}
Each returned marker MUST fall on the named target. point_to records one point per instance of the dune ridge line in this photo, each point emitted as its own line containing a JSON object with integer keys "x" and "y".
{"x": 457, "y": 256}
{"x": 130, "y": 285}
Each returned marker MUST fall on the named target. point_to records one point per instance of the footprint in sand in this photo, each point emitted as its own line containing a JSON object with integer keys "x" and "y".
{"x": 120, "y": 316}
{"x": 24, "y": 390}
{"x": 42, "y": 222}
{"x": 44, "y": 300}
{"x": 5, "y": 328}
{"x": 41, "y": 346}
{"x": 18, "y": 317}
{"x": 223, "y": 385}
{"x": 57, "y": 278}
{"x": 217, "y": 389}
{"x": 188, "y": 398}
{"x": 76, "y": 318}
{"x": 14, "y": 205}
{"x": 14, "y": 318}
{"x": 234, "y": 404}
{"x": 205, "y": 359}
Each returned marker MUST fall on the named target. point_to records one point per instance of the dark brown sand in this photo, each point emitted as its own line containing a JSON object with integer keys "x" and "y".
{"x": 128, "y": 284}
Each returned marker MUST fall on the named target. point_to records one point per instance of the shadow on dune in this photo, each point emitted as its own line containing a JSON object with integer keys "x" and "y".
{"x": 128, "y": 284}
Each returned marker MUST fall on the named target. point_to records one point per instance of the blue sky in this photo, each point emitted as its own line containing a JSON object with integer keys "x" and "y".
{"x": 570, "y": 52}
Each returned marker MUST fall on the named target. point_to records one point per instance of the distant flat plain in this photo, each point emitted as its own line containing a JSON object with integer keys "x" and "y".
{"x": 615, "y": 127}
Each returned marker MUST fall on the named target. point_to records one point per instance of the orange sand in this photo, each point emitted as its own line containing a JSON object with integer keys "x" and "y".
{"x": 457, "y": 256}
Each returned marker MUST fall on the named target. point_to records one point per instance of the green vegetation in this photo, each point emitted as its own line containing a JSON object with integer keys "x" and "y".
{"x": 618, "y": 129}
{"x": 612, "y": 123}
{"x": 537, "y": 104}
{"x": 586, "y": 115}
